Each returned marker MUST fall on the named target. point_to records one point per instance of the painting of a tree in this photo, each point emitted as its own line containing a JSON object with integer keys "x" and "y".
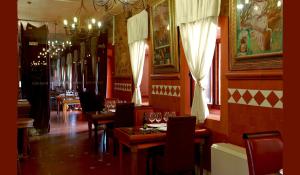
{"x": 256, "y": 34}
{"x": 259, "y": 26}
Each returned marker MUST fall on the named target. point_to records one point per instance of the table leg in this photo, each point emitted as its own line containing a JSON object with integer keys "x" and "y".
{"x": 58, "y": 104}
{"x": 25, "y": 148}
{"x": 121, "y": 158}
{"x": 134, "y": 161}
{"x": 96, "y": 135}
{"x": 65, "y": 108}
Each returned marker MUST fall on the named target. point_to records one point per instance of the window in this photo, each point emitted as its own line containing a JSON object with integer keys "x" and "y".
{"x": 212, "y": 82}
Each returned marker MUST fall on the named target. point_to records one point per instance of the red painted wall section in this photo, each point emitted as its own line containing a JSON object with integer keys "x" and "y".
{"x": 122, "y": 88}
{"x": 110, "y": 70}
{"x": 145, "y": 79}
{"x": 165, "y": 95}
{"x": 262, "y": 110}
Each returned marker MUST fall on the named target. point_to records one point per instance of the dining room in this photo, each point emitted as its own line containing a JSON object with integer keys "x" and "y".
{"x": 150, "y": 86}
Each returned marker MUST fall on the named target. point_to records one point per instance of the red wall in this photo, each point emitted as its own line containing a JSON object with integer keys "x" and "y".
{"x": 122, "y": 88}
{"x": 110, "y": 70}
{"x": 248, "y": 118}
{"x": 145, "y": 79}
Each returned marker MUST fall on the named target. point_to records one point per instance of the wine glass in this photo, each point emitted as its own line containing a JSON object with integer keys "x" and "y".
{"x": 173, "y": 114}
{"x": 113, "y": 105}
{"x": 146, "y": 117}
{"x": 158, "y": 117}
{"x": 108, "y": 105}
{"x": 166, "y": 115}
{"x": 152, "y": 117}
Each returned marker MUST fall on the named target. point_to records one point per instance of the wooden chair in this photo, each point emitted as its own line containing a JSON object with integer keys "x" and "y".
{"x": 178, "y": 153}
{"x": 90, "y": 102}
{"x": 264, "y": 152}
{"x": 124, "y": 117}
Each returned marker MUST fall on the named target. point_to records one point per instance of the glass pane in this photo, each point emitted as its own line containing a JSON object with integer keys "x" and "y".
{"x": 207, "y": 87}
{"x": 219, "y": 72}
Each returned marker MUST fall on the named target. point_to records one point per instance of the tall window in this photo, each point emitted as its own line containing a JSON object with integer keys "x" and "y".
{"x": 212, "y": 82}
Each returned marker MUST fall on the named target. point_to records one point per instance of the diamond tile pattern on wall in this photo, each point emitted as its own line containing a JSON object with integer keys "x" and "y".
{"x": 254, "y": 97}
{"x": 166, "y": 90}
{"x": 122, "y": 87}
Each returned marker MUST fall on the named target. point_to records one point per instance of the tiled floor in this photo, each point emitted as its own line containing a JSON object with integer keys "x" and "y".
{"x": 67, "y": 150}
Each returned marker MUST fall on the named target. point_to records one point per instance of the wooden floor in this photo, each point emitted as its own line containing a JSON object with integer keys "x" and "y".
{"x": 67, "y": 150}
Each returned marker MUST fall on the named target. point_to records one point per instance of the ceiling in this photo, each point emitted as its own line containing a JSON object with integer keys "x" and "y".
{"x": 53, "y": 12}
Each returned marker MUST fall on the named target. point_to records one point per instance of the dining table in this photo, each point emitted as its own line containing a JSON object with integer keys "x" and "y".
{"x": 23, "y": 108}
{"x": 65, "y": 101}
{"x": 138, "y": 139}
{"x": 97, "y": 118}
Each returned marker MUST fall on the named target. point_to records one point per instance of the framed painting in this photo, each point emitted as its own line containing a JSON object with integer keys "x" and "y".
{"x": 164, "y": 37}
{"x": 256, "y": 34}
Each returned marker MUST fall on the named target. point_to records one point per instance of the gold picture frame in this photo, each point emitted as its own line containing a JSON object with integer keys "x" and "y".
{"x": 164, "y": 37}
{"x": 256, "y": 29}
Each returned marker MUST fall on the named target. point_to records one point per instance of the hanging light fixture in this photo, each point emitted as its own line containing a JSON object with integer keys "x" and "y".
{"x": 76, "y": 28}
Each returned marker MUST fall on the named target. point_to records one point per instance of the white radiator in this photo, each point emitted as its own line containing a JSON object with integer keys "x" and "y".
{"x": 228, "y": 159}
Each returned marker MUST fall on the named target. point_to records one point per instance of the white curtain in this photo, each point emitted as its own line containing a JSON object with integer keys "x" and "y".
{"x": 69, "y": 70}
{"x": 137, "y": 57}
{"x": 137, "y": 28}
{"x": 197, "y": 20}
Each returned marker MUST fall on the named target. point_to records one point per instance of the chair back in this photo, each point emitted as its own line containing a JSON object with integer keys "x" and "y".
{"x": 124, "y": 115}
{"x": 264, "y": 152}
{"x": 89, "y": 101}
{"x": 179, "y": 149}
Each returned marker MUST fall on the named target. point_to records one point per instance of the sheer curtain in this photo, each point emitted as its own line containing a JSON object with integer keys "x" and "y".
{"x": 137, "y": 27}
{"x": 197, "y": 20}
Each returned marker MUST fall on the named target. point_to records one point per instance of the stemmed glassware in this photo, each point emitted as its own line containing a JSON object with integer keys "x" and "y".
{"x": 158, "y": 117}
{"x": 173, "y": 114}
{"x": 166, "y": 116}
{"x": 113, "y": 104}
{"x": 152, "y": 117}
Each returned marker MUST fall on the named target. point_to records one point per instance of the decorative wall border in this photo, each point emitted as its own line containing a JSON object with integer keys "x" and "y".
{"x": 166, "y": 90}
{"x": 123, "y": 87}
{"x": 256, "y": 97}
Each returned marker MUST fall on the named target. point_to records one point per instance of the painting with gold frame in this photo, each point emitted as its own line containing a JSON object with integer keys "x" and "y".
{"x": 164, "y": 37}
{"x": 256, "y": 29}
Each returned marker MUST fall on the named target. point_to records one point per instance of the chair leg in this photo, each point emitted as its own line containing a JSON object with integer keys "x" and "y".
{"x": 148, "y": 166}
{"x": 90, "y": 129}
{"x": 154, "y": 170}
{"x": 115, "y": 146}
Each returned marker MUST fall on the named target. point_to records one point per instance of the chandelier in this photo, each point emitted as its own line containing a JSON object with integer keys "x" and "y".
{"x": 82, "y": 29}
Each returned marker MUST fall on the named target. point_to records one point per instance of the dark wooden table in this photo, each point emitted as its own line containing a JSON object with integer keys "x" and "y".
{"x": 137, "y": 139}
{"x": 24, "y": 108}
{"x": 97, "y": 118}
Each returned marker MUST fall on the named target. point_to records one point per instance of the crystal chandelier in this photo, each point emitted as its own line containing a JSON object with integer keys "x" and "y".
{"x": 77, "y": 28}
